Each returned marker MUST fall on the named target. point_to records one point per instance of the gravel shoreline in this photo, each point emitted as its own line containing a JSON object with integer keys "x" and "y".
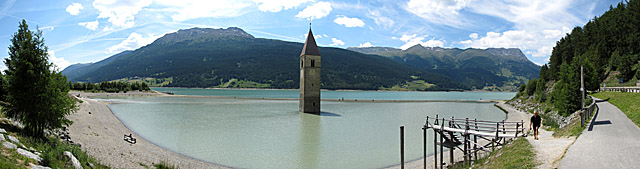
{"x": 101, "y": 134}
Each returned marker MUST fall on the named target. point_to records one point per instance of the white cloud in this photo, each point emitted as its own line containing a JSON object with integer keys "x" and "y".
{"x": 537, "y": 24}
{"x": 315, "y": 11}
{"x": 61, "y": 63}
{"x": 134, "y": 41}
{"x": 336, "y": 42}
{"x": 90, "y": 25}
{"x": 473, "y": 36}
{"x": 278, "y": 5}
{"x": 74, "y": 8}
{"x": 531, "y": 42}
{"x": 190, "y": 9}
{"x": 412, "y": 40}
{"x": 304, "y": 36}
{"x": 120, "y": 12}
{"x": 438, "y": 11}
{"x": 380, "y": 20}
{"x": 348, "y": 22}
{"x": 366, "y": 44}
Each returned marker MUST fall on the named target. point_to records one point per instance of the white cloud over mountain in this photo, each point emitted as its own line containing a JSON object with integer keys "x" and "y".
{"x": 412, "y": 40}
{"x": 366, "y": 44}
{"x": 134, "y": 41}
{"x": 336, "y": 42}
{"x": 315, "y": 11}
{"x": 60, "y": 63}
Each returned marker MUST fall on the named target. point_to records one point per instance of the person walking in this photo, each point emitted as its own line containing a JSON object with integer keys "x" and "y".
{"x": 535, "y": 121}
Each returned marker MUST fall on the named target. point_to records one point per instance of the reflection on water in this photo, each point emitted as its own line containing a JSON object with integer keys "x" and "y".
{"x": 309, "y": 137}
{"x": 273, "y": 134}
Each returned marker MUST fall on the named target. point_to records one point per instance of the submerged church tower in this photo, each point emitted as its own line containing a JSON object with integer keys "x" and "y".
{"x": 310, "y": 76}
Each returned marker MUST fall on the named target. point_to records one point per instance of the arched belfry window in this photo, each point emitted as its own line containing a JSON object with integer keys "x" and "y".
{"x": 313, "y": 63}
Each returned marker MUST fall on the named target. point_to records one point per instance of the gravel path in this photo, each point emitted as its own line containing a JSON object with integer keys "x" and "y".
{"x": 548, "y": 149}
{"x": 611, "y": 141}
{"x": 101, "y": 134}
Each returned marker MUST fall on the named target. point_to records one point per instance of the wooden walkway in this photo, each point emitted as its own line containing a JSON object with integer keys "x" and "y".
{"x": 469, "y": 136}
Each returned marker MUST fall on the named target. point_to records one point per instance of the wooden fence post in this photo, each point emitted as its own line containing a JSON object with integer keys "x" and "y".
{"x": 402, "y": 147}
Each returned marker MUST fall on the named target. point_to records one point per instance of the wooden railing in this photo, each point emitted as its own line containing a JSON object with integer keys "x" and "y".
{"x": 463, "y": 134}
{"x": 620, "y": 89}
{"x": 587, "y": 112}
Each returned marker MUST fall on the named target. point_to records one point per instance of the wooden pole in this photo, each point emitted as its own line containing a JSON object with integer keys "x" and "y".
{"x": 475, "y": 141}
{"x": 441, "y": 141}
{"x": 435, "y": 144}
{"x": 582, "y": 112}
{"x": 424, "y": 151}
{"x": 402, "y": 147}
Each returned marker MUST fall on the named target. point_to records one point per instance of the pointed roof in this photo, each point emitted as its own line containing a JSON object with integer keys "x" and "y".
{"x": 310, "y": 47}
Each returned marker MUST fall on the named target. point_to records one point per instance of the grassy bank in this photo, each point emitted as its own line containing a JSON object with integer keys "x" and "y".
{"x": 629, "y": 103}
{"x": 518, "y": 154}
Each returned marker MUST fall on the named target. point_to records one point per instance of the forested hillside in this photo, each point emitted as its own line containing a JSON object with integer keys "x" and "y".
{"x": 201, "y": 57}
{"x": 607, "y": 46}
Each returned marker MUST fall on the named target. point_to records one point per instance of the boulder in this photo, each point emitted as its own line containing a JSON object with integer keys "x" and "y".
{"x": 9, "y": 145}
{"x": 74, "y": 160}
{"x": 3, "y": 131}
{"x": 29, "y": 154}
{"x": 13, "y": 139}
{"x": 2, "y": 138}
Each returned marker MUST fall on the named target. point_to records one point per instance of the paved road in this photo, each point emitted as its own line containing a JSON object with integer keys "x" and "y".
{"x": 613, "y": 141}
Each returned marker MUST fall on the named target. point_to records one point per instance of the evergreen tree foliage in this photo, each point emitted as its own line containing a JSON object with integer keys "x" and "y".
{"x": 566, "y": 92}
{"x": 531, "y": 87}
{"x": 540, "y": 94}
{"x": 3, "y": 87}
{"x": 111, "y": 87}
{"x": 605, "y": 44}
{"x": 37, "y": 94}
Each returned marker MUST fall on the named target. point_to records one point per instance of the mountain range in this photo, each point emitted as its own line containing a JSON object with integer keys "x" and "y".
{"x": 476, "y": 68}
{"x": 204, "y": 57}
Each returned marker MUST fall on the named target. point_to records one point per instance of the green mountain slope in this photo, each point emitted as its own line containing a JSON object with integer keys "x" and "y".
{"x": 476, "y": 68}
{"x": 200, "y": 57}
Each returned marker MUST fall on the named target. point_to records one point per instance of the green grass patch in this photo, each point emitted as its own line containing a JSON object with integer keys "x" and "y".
{"x": 518, "y": 154}
{"x": 629, "y": 103}
{"x": 53, "y": 153}
{"x": 235, "y": 83}
{"x": 415, "y": 85}
{"x": 164, "y": 165}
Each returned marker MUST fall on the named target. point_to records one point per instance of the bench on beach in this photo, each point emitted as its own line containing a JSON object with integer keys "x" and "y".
{"x": 129, "y": 138}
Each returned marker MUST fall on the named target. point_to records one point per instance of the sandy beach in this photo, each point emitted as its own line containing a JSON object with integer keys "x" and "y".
{"x": 101, "y": 135}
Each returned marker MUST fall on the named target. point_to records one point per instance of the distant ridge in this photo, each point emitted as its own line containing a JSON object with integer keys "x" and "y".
{"x": 204, "y": 57}
{"x": 476, "y": 68}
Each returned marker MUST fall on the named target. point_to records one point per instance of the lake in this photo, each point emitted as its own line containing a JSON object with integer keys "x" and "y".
{"x": 256, "y": 133}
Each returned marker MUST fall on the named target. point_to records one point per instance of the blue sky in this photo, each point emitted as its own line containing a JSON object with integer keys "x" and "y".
{"x": 82, "y": 31}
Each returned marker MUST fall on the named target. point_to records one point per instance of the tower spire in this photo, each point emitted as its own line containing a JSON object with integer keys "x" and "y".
{"x": 310, "y": 47}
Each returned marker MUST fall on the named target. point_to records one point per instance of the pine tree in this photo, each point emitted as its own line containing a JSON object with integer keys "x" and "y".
{"x": 37, "y": 94}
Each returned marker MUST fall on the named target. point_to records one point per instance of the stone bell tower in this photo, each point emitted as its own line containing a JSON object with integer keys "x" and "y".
{"x": 310, "y": 76}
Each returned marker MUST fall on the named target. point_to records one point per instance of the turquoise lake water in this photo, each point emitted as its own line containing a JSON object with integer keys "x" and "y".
{"x": 245, "y": 133}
